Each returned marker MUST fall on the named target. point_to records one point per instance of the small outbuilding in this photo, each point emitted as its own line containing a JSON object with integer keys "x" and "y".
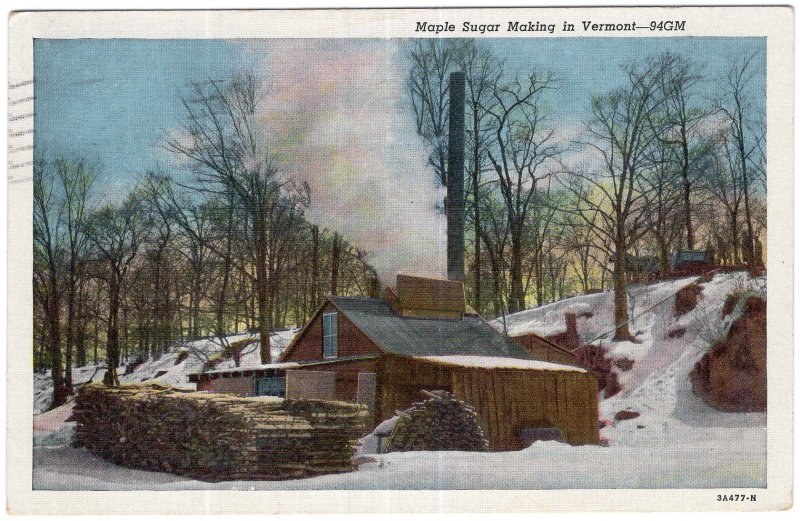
{"x": 516, "y": 399}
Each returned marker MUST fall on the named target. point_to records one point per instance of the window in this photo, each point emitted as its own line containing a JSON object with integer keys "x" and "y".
{"x": 330, "y": 334}
{"x": 271, "y": 386}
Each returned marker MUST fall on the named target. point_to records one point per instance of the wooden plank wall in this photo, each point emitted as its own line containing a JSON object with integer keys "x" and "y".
{"x": 545, "y": 351}
{"x": 399, "y": 383}
{"x": 506, "y": 400}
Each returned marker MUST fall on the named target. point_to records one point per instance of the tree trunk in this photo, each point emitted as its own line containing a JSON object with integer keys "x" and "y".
{"x": 747, "y": 247}
{"x": 538, "y": 272}
{"x": 96, "y": 336}
{"x": 70, "y": 336}
{"x": 663, "y": 255}
{"x": 476, "y": 172}
{"x": 477, "y": 261}
{"x": 687, "y": 193}
{"x": 125, "y": 335}
{"x": 194, "y": 306}
{"x": 69, "y": 346}
{"x": 262, "y": 296}
{"x": 54, "y": 345}
{"x": 80, "y": 346}
{"x": 734, "y": 238}
{"x": 748, "y": 241}
{"x": 621, "y": 331}
{"x": 112, "y": 343}
{"x": 226, "y": 271}
{"x": 517, "y": 293}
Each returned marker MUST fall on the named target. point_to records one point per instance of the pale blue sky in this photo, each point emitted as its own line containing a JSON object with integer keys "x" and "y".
{"x": 110, "y": 101}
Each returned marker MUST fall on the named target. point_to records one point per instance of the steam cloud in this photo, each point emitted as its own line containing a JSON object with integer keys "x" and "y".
{"x": 338, "y": 115}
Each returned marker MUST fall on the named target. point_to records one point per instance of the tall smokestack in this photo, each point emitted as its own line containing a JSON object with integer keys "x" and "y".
{"x": 455, "y": 180}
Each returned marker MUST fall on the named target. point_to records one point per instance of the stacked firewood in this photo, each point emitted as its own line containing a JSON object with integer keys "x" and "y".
{"x": 217, "y": 436}
{"x": 441, "y": 422}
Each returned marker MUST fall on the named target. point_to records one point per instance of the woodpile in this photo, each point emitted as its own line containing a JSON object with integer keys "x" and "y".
{"x": 442, "y": 422}
{"x": 216, "y": 436}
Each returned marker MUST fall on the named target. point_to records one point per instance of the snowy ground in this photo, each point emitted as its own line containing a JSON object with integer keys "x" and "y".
{"x": 677, "y": 442}
{"x": 165, "y": 370}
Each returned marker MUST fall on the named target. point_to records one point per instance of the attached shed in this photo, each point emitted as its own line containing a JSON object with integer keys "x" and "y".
{"x": 265, "y": 380}
{"x": 311, "y": 379}
{"x": 511, "y": 396}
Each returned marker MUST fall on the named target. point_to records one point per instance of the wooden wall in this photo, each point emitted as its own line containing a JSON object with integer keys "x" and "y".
{"x": 346, "y": 376}
{"x": 310, "y": 385}
{"x": 545, "y": 351}
{"x": 238, "y": 385}
{"x": 506, "y": 400}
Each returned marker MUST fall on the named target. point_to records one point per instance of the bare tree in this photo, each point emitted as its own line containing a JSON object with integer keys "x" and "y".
{"x": 117, "y": 232}
{"x": 48, "y": 256}
{"x": 222, "y": 138}
{"x": 726, "y": 184}
{"x": 744, "y": 120}
{"x": 541, "y": 234}
{"x": 679, "y": 119}
{"x": 621, "y": 133}
{"x": 524, "y": 155}
{"x": 495, "y": 236}
{"x": 664, "y": 194}
{"x": 482, "y": 70}
{"x": 432, "y": 60}
{"x": 76, "y": 180}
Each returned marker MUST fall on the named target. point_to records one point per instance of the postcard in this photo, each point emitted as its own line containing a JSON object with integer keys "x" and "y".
{"x": 400, "y": 260}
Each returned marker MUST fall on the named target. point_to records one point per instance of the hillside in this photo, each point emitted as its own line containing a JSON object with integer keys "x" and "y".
{"x": 657, "y": 385}
{"x": 168, "y": 369}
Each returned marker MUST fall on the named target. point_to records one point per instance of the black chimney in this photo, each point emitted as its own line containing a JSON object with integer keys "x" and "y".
{"x": 454, "y": 204}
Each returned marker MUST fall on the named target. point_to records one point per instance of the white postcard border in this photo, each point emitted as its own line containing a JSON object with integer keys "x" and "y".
{"x": 775, "y": 23}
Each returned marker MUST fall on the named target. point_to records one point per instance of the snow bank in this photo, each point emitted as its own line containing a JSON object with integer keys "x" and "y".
{"x": 371, "y": 443}
{"x": 52, "y": 428}
{"x": 165, "y": 370}
{"x": 545, "y": 465}
{"x": 657, "y": 385}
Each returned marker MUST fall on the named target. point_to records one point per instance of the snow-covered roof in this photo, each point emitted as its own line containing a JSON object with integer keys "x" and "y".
{"x": 497, "y": 362}
{"x": 253, "y": 370}
{"x": 262, "y": 367}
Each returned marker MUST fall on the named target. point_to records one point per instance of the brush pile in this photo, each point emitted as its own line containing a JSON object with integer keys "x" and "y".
{"x": 442, "y": 422}
{"x": 215, "y": 436}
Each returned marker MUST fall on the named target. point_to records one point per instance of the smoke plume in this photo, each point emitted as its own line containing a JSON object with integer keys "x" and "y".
{"x": 338, "y": 117}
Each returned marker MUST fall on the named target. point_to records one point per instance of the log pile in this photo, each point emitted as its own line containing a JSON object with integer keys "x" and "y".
{"x": 216, "y": 436}
{"x": 441, "y": 422}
